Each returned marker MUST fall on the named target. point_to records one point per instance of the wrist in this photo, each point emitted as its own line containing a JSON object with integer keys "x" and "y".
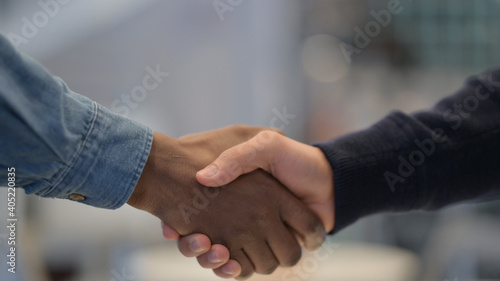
{"x": 326, "y": 186}
{"x": 306, "y": 171}
{"x": 163, "y": 150}
{"x": 325, "y": 172}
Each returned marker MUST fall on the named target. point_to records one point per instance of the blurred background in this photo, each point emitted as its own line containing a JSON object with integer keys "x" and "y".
{"x": 316, "y": 69}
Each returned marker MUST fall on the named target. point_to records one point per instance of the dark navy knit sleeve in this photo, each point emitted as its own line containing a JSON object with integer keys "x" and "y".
{"x": 421, "y": 161}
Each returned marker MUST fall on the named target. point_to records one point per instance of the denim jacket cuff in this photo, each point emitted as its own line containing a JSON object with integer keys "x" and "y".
{"x": 109, "y": 164}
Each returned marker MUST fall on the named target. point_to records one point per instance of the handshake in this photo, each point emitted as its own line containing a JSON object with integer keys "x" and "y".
{"x": 241, "y": 199}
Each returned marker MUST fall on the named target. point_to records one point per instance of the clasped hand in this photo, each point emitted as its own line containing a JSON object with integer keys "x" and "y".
{"x": 235, "y": 202}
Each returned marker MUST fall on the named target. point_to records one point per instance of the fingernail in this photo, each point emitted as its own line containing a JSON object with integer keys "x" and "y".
{"x": 210, "y": 171}
{"x": 195, "y": 247}
{"x": 213, "y": 257}
{"x": 228, "y": 269}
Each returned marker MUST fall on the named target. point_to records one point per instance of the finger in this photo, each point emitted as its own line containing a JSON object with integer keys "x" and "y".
{"x": 247, "y": 267}
{"x": 194, "y": 245}
{"x": 216, "y": 257}
{"x": 262, "y": 257}
{"x": 305, "y": 223}
{"x": 168, "y": 232}
{"x": 285, "y": 246}
{"x": 258, "y": 152}
{"x": 230, "y": 270}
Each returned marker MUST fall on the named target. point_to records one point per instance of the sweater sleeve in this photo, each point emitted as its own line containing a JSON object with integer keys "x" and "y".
{"x": 421, "y": 161}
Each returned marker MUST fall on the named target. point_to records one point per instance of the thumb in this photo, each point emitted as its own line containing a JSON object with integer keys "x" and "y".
{"x": 240, "y": 159}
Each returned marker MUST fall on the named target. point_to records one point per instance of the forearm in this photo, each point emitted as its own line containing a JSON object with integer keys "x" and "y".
{"x": 425, "y": 160}
{"x": 62, "y": 143}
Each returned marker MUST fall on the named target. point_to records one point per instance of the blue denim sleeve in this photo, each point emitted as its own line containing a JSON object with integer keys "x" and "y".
{"x": 62, "y": 144}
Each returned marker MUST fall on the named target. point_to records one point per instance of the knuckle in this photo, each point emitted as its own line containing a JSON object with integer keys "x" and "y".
{"x": 278, "y": 131}
{"x": 267, "y": 137}
{"x": 266, "y": 134}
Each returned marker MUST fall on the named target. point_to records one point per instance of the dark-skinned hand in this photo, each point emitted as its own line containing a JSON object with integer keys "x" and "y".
{"x": 255, "y": 217}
